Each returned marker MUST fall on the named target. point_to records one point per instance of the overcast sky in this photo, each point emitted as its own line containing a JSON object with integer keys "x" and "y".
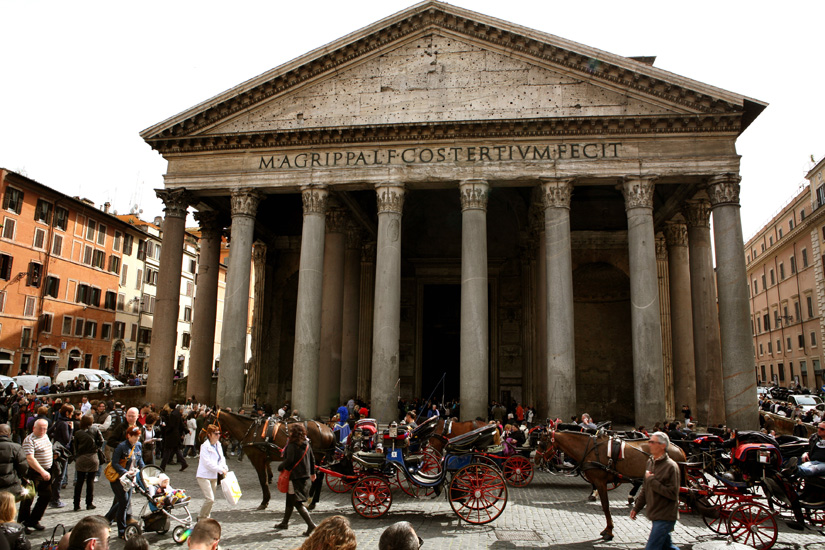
{"x": 80, "y": 80}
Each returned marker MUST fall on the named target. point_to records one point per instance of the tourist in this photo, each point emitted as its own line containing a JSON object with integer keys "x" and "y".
{"x": 299, "y": 460}
{"x": 149, "y": 438}
{"x": 136, "y": 543}
{"x": 62, "y": 432}
{"x": 212, "y": 465}
{"x": 13, "y": 464}
{"x": 90, "y": 533}
{"x": 13, "y": 533}
{"x": 39, "y": 455}
{"x": 400, "y": 536}
{"x": 172, "y": 438}
{"x": 189, "y": 438}
{"x": 126, "y": 460}
{"x": 660, "y": 494}
{"x": 206, "y": 535}
{"x": 87, "y": 442}
{"x": 334, "y": 533}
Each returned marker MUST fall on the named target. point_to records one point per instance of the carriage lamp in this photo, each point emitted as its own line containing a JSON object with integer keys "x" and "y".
{"x": 393, "y": 430}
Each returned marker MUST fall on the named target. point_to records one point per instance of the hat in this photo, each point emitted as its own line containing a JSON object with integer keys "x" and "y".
{"x": 163, "y": 477}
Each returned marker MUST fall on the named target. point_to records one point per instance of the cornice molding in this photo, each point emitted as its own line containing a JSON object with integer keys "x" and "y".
{"x": 452, "y": 130}
{"x": 479, "y": 29}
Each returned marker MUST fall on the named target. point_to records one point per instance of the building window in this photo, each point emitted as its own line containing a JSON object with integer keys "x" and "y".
{"x": 2, "y": 301}
{"x": 141, "y": 253}
{"x": 151, "y": 276}
{"x": 35, "y": 274}
{"x": 99, "y": 259}
{"x": 91, "y": 227}
{"x": 87, "y": 255}
{"x": 184, "y": 341}
{"x": 26, "y": 337}
{"x": 761, "y": 351}
{"x": 87, "y": 361}
{"x": 123, "y": 275}
{"x": 764, "y": 282}
{"x": 30, "y": 306}
{"x": 773, "y": 279}
{"x": 766, "y": 322}
{"x": 763, "y": 247}
{"x": 121, "y": 302}
{"x": 189, "y": 289}
{"x": 47, "y": 322}
{"x": 78, "y": 328}
{"x": 39, "y": 239}
{"x": 804, "y": 258}
{"x": 797, "y": 314}
{"x": 5, "y": 266}
{"x": 193, "y": 265}
{"x": 134, "y": 332}
{"x": 187, "y": 314}
{"x": 61, "y": 218}
{"x": 67, "y": 326}
{"x": 150, "y": 249}
{"x": 127, "y": 244}
{"x": 116, "y": 242}
{"x": 114, "y": 264}
{"x": 139, "y": 279}
{"x": 810, "y": 303}
{"x": 770, "y": 240}
{"x": 94, "y": 300}
{"x": 813, "y": 339}
{"x": 758, "y": 324}
{"x": 8, "y": 228}
{"x": 781, "y": 273}
{"x": 90, "y": 330}
{"x": 770, "y": 348}
{"x": 13, "y": 200}
{"x": 755, "y": 287}
{"x": 780, "y": 232}
{"x": 83, "y": 295}
{"x": 790, "y": 224}
{"x": 147, "y": 304}
{"x": 120, "y": 329}
{"x": 101, "y": 235}
{"x": 52, "y": 286}
{"x": 145, "y": 336}
{"x": 793, "y": 265}
{"x": 106, "y": 331}
{"x": 802, "y": 215}
{"x": 57, "y": 245}
{"x": 110, "y": 301}
{"x": 788, "y": 344}
{"x": 43, "y": 211}
{"x": 102, "y": 362}
{"x": 800, "y": 341}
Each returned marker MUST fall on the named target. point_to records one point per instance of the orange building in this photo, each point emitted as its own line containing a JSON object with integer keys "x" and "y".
{"x": 60, "y": 265}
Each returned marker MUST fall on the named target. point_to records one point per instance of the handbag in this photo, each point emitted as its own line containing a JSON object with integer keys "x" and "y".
{"x": 52, "y": 543}
{"x": 283, "y": 477}
{"x": 29, "y": 490}
{"x": 111, "y": 474}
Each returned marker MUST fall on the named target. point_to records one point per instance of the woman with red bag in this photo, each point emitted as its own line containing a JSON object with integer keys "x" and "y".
{"x": 300, "y": 463}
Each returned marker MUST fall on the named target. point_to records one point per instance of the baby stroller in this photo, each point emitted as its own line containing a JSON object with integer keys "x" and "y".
{"x": 160, "y": 511}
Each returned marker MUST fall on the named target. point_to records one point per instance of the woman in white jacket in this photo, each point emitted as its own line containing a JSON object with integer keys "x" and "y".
{"x": 189, "y": 438}
{"x": 212, "y": 463}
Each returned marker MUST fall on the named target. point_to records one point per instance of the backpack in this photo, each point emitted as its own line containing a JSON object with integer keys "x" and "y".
{"x": 118, "y": 417}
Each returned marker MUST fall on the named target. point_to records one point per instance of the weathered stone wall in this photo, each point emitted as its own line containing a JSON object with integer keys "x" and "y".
{"x": 510, "y": 324}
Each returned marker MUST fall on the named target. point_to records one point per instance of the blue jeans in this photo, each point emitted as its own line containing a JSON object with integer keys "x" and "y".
{"x": 812, "y": 469}
{"x": 660, "y": 536}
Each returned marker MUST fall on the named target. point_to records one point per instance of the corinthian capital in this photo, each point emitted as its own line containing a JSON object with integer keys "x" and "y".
{"x": 474, "y": 194}
{"x": 175, "y": 201}
{"x": 315, "y": 200}
{"x": 210, "y": 223}
{"x": 724, "y": 189}
{"x": 390, "y": 198}
{"x": 676, "y": 234}
{"x": 353, "y": 236}
{"x": 245, "y": 202}
{"x": 337, "y": 220}
{"x": 697, "y": 213}
{"x": 661, "y": 247}
{"x": 259, "y": 253}
{"x": 638, "y": 191}
{"x": 556, "y": 192}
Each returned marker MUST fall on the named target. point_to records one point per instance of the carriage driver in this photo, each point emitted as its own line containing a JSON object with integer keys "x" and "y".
{"x": 813, "y": 462}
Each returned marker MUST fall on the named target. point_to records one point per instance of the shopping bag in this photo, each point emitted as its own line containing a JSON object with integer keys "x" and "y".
{"x": 231, "y": 489}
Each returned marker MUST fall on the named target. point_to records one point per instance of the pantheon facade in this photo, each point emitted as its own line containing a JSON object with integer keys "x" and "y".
{"x": 448, "y": 204}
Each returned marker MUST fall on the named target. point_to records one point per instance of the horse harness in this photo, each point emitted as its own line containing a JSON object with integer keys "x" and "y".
{"x": 615, "y": 453}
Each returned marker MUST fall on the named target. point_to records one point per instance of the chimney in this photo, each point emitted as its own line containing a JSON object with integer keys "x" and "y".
{"x": 158, "y": 221}
{"x": 106, "y": 206}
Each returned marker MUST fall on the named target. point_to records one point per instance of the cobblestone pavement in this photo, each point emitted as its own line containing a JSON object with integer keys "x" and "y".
{"x": 552, "y": 512}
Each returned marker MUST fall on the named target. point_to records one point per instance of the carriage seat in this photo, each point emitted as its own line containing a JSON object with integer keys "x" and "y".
{"x": 369, "y": 460}
{"x": 480, "y": 438}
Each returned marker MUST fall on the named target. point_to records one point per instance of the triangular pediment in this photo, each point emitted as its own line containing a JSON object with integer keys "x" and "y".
{"x": 434, "y": 64}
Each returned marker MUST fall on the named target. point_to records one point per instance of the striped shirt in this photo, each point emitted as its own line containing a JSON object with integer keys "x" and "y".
{"x": 41, "y": 448}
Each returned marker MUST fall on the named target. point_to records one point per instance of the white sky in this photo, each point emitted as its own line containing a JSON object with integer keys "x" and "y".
{"x": 80, "y": 80}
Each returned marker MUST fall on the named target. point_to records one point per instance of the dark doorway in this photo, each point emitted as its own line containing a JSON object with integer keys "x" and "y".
{"x": 441, "y": 352}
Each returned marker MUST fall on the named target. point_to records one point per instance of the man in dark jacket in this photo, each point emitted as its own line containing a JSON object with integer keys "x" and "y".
{"x": 13, "y": 465}
{"x": 660, "y": 493}
{"x": 61, "y": 432}
{"x": 175, "y": 428}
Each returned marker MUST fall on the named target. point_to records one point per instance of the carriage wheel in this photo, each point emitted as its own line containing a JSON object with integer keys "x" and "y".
{"x": 337, "y": 484}
{"x": 517, "y": 471}
{"x": 371, "y": 497}
{"x": 484, "y": 459}
{"x": 815, "y": 516}
{"x": 753, "y": 524}
{"x": 725, "y": 503}
{"x": 478, "y": 493}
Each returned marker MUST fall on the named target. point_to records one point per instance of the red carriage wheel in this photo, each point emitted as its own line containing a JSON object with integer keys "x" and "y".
{"x": 371, "y": 497}
{"x": 485, "y": 459}
{"x": 478, "y": 493}
{"x": 431, "y": 466}
{"x": 753, "y": 524}
{"x": 725, "y": 503}
{"x": 517, "y": 471}
{"x": 337, "y": 484}
{"x": 401, "y": 481}
{"x": 815, "y": 516}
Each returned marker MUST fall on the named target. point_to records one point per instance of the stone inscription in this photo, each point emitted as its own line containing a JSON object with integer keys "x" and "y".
{"x": 430, "y": 155}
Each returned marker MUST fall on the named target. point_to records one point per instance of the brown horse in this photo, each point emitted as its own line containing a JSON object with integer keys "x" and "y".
{"x": 263, "y": 441}
{"x": 439, "y": 438}
{"x": 591, "y": 453}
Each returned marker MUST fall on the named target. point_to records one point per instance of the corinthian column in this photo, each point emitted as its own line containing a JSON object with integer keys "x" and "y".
{"x": 681, "y": 316}
{"x": 332, "y": 310}
{"x": 560, "y": 368}
{"x": 367, "y": 310}
{"x": 307, "y": 356}
{"x": 387, "y": 317}
{"x": 710, "y": 405}
{"x": 165, "y": 323}
{"x": 236, "y": 302}
{"x": 255, "y": 388}
{"x": 734, "y": 313}
{"x": 352, "y": 305}
{"x": 648, "y": 372}
{"x": 199, "y": 382}
{"x": 475, "y": 345}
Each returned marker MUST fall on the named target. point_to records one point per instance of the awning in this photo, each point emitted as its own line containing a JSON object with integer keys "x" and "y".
{"x": 49, "y": 357}
{"x": 6, "y": 362}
